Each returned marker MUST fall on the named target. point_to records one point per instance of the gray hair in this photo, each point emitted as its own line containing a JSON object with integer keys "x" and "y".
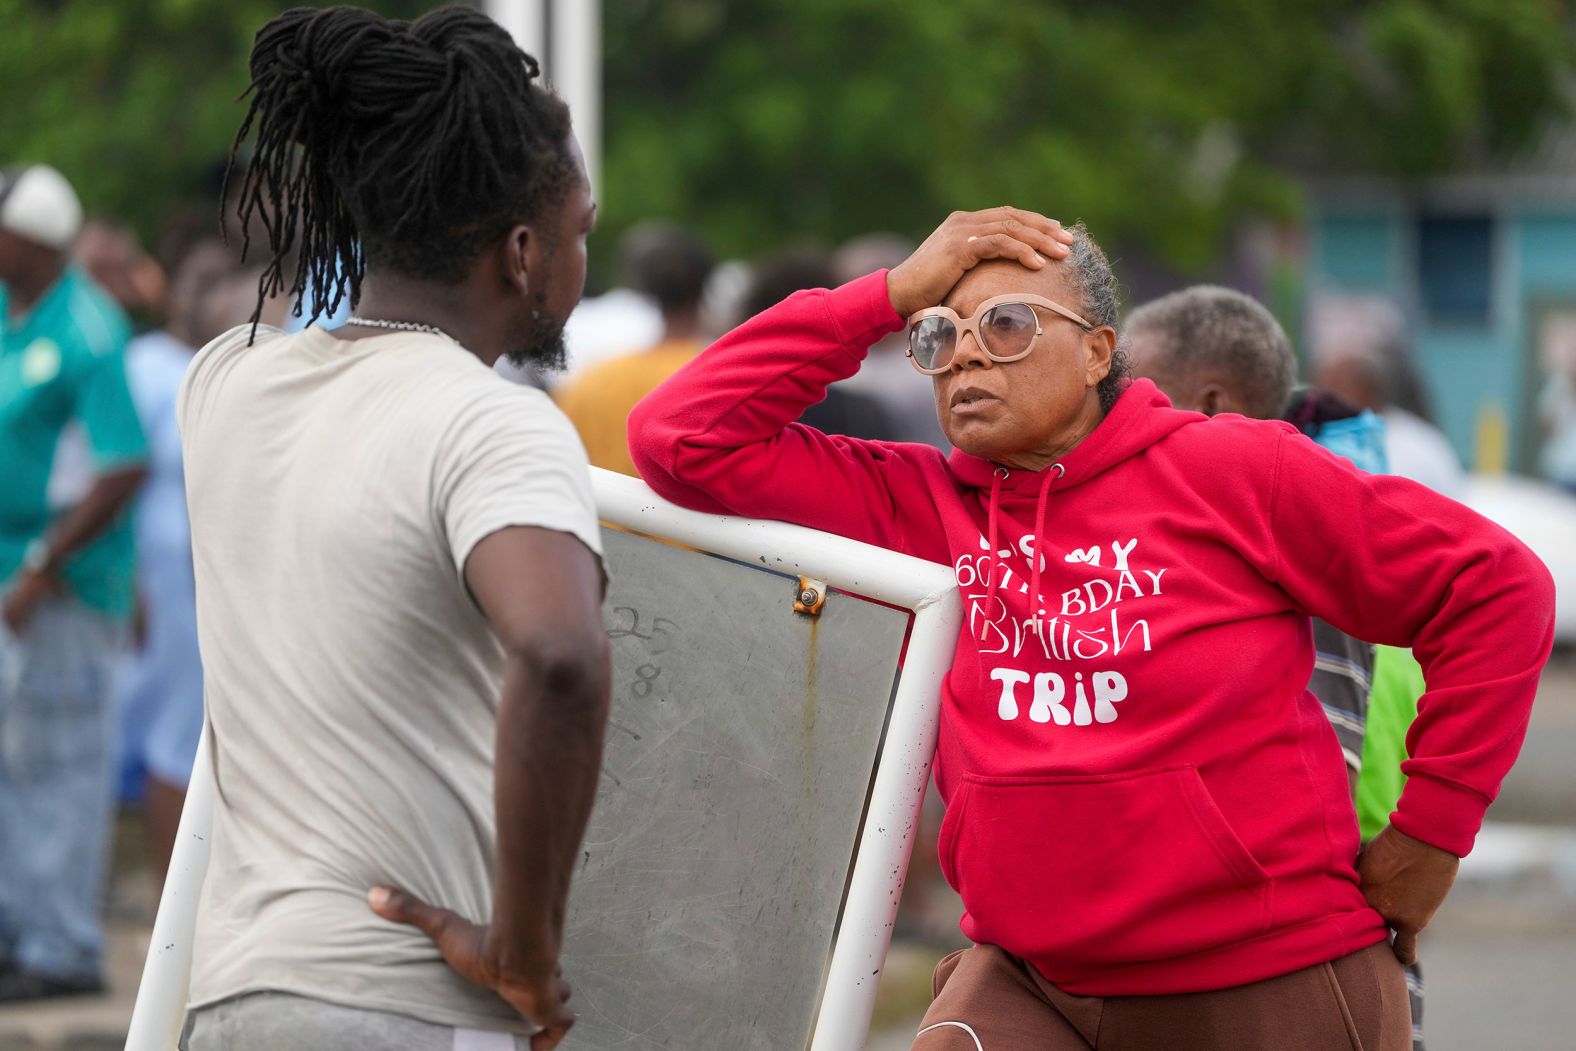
{"x": 1099, "y": 301}
{"x": 1207, "y": 327}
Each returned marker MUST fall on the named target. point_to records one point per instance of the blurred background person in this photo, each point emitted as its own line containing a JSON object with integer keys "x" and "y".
{"x": 669, "y": 265}
{"x": 159, "y": 686}
{"x": 1358, "y": 349}
{"x": 618, "y": 321}
{"x": 842, "y": 411}
{"x": 115, "y": 260}
{"x": 1557, "y": 413}
{"x": 886, "y": 375}
{"x": 158, "y": 681}
{"x": 72, "y": 453}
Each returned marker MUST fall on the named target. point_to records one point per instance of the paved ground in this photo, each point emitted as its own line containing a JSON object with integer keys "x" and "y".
{"x": 1498, "y": 958}
{"x": 97, "y": 1023}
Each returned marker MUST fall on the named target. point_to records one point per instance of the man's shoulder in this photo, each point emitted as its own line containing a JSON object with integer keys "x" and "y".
{"x": 229, "y": 342}
{"x": 212, "y": 361}
{"x": 480, "y": 398}
{"x": 225, "y": 346}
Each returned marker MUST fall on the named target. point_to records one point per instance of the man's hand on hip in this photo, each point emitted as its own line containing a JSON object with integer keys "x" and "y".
{"x": 1405, "y": 880}
{"x": 537, "y": 989}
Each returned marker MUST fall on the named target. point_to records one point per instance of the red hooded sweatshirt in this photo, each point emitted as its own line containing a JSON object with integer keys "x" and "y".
{"x": 1142, "y": 795}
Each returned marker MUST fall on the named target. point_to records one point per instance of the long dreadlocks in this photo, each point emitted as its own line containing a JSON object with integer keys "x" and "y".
{"x": 407, "y": 145}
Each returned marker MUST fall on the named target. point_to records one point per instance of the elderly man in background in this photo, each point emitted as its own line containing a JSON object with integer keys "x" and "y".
{"x": 1214, "y": 350}
{"x": 71, "y": 453}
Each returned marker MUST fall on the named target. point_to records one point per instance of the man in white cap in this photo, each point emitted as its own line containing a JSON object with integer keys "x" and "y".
{"x": 71, "y": 454}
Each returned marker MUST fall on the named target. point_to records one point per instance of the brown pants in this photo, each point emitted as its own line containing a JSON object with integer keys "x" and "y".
{"x": 989, "y": 1000}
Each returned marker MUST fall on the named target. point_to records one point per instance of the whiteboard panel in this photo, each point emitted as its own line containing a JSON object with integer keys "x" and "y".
{"x": 739, "y": 757}
{"x": 718, "y": 933}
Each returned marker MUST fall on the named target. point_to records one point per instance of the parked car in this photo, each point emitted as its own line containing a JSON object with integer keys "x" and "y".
{"x": 1544, "y": 518}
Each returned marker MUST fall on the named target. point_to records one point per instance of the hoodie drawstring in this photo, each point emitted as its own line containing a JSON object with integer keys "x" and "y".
{"x": 995, "y": 555}
{"x": 1056, "y": 471}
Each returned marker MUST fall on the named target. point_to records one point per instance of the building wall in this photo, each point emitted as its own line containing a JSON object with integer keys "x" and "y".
{"x": 1471, "y": 367}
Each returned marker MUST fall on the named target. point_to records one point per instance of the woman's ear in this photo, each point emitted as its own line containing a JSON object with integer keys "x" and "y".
{"x": 1099, "y": 345}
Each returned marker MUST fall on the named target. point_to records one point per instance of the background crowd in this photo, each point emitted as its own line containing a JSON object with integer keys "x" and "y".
{"x": 1395, "y": 181}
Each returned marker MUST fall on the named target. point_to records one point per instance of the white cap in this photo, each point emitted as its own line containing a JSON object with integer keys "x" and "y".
{"x": 38, "y": 203}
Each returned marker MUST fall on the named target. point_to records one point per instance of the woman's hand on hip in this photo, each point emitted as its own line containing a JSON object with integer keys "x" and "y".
{"x": 1405, "y": 880}
{"x": 966, "y": 238}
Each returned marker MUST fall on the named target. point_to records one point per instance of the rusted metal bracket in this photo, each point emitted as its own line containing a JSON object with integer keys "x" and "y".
{"x": 810, "y": 597}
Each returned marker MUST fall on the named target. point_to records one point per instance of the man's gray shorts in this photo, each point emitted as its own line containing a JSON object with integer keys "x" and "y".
{"x": 281, "y": 1022}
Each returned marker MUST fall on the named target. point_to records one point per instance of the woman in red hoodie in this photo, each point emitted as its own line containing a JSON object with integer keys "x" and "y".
{"x": 1148, "y": 818}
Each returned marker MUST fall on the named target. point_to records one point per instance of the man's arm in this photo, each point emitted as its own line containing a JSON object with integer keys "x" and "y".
{"x": 77, "y": 528}
{"x": 541, "y": 590}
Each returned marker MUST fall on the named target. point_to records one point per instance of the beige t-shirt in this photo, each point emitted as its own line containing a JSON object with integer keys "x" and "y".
{"x": 336, "y": 489}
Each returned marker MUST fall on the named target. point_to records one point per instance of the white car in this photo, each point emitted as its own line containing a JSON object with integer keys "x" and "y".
{"x": 1542, "y": 517}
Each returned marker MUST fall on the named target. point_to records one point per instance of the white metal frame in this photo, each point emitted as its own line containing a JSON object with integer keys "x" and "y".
{"x": 891, "y": 818}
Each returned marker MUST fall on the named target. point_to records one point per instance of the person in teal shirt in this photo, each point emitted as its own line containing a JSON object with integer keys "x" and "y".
{"x": 71, "y": 453}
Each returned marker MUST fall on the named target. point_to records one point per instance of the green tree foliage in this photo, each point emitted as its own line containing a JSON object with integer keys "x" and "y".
{"x": 133, "y": 99}
{"x": 764, "y": 121}
{"x": 1158, "y": 123}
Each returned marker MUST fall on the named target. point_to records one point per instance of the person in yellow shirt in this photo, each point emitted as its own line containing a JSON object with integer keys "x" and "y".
{"x": 669, "y": 264}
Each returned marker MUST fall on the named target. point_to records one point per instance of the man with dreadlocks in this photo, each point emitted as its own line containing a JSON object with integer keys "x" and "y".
{"x": 397, "y": 557}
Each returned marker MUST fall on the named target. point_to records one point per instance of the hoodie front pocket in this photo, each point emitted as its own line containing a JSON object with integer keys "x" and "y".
{"x": 947, "y": 841}
{"x": 1083, "y": 872}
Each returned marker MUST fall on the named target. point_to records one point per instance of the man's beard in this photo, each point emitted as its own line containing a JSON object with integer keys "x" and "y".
{"x": 544, "y": 351}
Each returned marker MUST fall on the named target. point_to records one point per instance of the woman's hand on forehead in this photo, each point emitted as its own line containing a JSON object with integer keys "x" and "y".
{"x": 966, "y": 239}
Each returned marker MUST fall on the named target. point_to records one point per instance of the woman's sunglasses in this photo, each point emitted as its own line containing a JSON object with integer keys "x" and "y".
{"x": 1005, "y": 327}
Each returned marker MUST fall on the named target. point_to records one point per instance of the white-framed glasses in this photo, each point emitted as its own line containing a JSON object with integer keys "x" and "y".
{"x": 1005, "y": 327}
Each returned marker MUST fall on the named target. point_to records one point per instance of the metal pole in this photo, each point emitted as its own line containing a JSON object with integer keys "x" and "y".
{"x": 569, "y": 47}
{"x": 891, "y": 824}
{"x": 526, "y": 21}
{"x": 576, "y": 73}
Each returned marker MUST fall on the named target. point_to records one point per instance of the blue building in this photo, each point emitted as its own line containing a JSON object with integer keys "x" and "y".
{"x": 1484, "y": 264}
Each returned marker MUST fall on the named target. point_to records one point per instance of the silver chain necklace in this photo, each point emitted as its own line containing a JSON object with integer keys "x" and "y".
{"x": 401, "y": 326}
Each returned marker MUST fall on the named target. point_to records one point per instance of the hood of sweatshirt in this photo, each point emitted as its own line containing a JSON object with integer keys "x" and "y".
{"x": 1141, "y": 416}
{"x": 1132, "y": 425}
